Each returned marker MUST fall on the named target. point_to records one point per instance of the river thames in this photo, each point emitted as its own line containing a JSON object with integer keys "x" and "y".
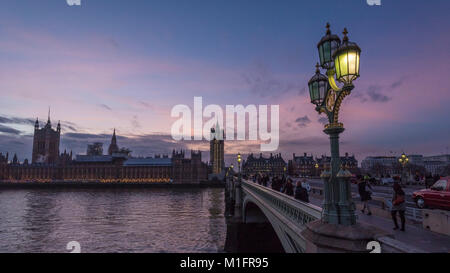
{"x": 113, "y": 220}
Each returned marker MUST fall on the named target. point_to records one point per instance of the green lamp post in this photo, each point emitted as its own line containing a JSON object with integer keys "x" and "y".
{"x": 341, "y": 62}
{"x": 239, "y": 159}
{"x": 403, "y": 161}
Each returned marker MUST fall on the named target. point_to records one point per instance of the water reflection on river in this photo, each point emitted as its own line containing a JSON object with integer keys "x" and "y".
{"x": 114, "y": 220}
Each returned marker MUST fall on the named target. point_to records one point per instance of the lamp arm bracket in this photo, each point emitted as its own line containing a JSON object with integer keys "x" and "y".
{"x": 341, "y": 95}
{"x": 323, "y": 109}
{"x": 331, "y": 81}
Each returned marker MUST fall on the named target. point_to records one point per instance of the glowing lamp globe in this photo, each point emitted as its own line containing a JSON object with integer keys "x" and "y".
{"x": 346, "y": 61}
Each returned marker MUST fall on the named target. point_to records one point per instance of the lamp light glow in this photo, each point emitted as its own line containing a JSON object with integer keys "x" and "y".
{"x": 346, "y": 60}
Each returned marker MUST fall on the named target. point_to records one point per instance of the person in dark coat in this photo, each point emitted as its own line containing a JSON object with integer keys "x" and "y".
{"x": 398, "y": 205}
{"x": 266, "y": 180}
{"x": 289, "y": 188}
{"x": 276, "y": 186}
{"x": 429, "y": 180}
{"x": 301, "y": 193}
{"x": 365, "y": 194}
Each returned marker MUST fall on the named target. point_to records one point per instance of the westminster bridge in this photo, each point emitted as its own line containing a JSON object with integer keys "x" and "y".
{"x": 264, "y": 220}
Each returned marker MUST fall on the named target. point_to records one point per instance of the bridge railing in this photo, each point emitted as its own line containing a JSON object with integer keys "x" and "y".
{"x": 297, "y": 211}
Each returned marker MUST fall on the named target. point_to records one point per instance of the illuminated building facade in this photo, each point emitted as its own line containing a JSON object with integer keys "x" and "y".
{"x": 348, "y": 162}
{"x": 302, "y": 166}
{"x": 118, "y": 166}
{"x": 273, "y": 165}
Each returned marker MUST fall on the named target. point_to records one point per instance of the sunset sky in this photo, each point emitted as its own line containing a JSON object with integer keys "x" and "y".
{"x": 124, "y": 64}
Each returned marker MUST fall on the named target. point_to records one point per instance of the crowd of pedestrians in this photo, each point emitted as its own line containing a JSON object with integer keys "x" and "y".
{"x": 398, "y": 203}
{"x": 300, "y": 192}
{"x": 283, "y": 184}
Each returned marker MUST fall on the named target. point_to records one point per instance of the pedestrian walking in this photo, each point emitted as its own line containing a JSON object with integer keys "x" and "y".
{"x": 398, "y": 205}
{"x": 265, "y": 180}
{"x": 276, "y": 184}
{"x": 429, "y": 180}
{"x": 289, "y": 188}
{"x": 301, "y": 193}
{"x": 365, "y": 194}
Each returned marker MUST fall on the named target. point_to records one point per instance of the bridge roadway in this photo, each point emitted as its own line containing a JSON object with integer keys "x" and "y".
{"x": 289, "y": 218}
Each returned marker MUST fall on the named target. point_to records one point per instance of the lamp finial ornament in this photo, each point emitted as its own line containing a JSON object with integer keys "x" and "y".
{"x": 317, "y": 68}
{"x": 345, "y": 35}
{"x": 328, "y": 29}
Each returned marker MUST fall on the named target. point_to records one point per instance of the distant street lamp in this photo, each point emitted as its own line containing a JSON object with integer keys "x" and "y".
{"x": 341, "y": 61}
{"x": 403, "y": 161}
{"x": 317, "y": 169}
{"x": 239, "y": 164}
{"x": 229, "y": 169}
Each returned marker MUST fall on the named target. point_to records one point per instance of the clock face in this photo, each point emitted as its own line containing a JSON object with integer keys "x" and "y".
{"x": 331, "y": 98}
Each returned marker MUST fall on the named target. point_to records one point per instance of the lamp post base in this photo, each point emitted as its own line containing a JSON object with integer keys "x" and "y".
{"x": 338, "y": 206}
{"x": 331, "y": 238}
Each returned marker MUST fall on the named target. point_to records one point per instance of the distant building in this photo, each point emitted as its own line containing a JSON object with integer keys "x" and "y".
{"x": 347, "y": 162}
{"x": 302, "y": 165}
{"x": 216, "y": 149}
{"x": 417, "y": 160}
{"x": 441, "y": 158}
{"x": 417, "y": 164}
{"x": 46, "y": 143}
{"x": 274, "y": 165}
{"x": 4, "y": 159}
{"x": 436, "y": 164}
{"x": 95, "y": 149}
{"x": 380, "y": 165}
{"x": 117, "y": 166}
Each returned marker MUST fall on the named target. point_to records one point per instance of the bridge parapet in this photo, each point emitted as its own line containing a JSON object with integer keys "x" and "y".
{"x": 298, "y": 212}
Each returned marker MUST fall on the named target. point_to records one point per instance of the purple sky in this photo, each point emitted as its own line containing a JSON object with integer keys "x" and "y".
{"x": 125, "y": 64}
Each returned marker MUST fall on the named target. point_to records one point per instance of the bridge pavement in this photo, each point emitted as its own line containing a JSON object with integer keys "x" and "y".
{"x": 414, "y": 235}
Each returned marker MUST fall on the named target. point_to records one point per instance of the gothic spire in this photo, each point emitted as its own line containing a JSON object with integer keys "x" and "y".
{"x": 49, "y": 124}
{"x": 36, "y": 124}
{"x": 113, "y": 139}
{"x": 113, "y": 148}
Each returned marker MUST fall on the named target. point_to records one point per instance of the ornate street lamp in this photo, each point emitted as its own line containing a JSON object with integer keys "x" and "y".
{"x": 403, "y": 161}
{"x": 342, "y": 62}
{"x": 318, "y": 87}
{"x": 239, "y": 164}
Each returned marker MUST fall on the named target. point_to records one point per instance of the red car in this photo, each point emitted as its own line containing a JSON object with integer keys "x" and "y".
{"x": 438, "y": 196}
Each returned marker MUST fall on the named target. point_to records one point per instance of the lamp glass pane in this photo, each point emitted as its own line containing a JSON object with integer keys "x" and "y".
{"x": 357, "y": 63}
{"x": 321, "y": 54}
{"x": 343, "y": 59}
{"x": 337, "y": 65}
{"x": 334, "y": 46}
{"x": 322, "y": 90}
{"x": 327, "y": 51}
{"x": 315, "y": 91}
{"x": 352, "y": 62}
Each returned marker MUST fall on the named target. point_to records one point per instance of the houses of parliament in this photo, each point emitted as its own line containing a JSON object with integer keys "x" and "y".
{"x": 48, "y": 164}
